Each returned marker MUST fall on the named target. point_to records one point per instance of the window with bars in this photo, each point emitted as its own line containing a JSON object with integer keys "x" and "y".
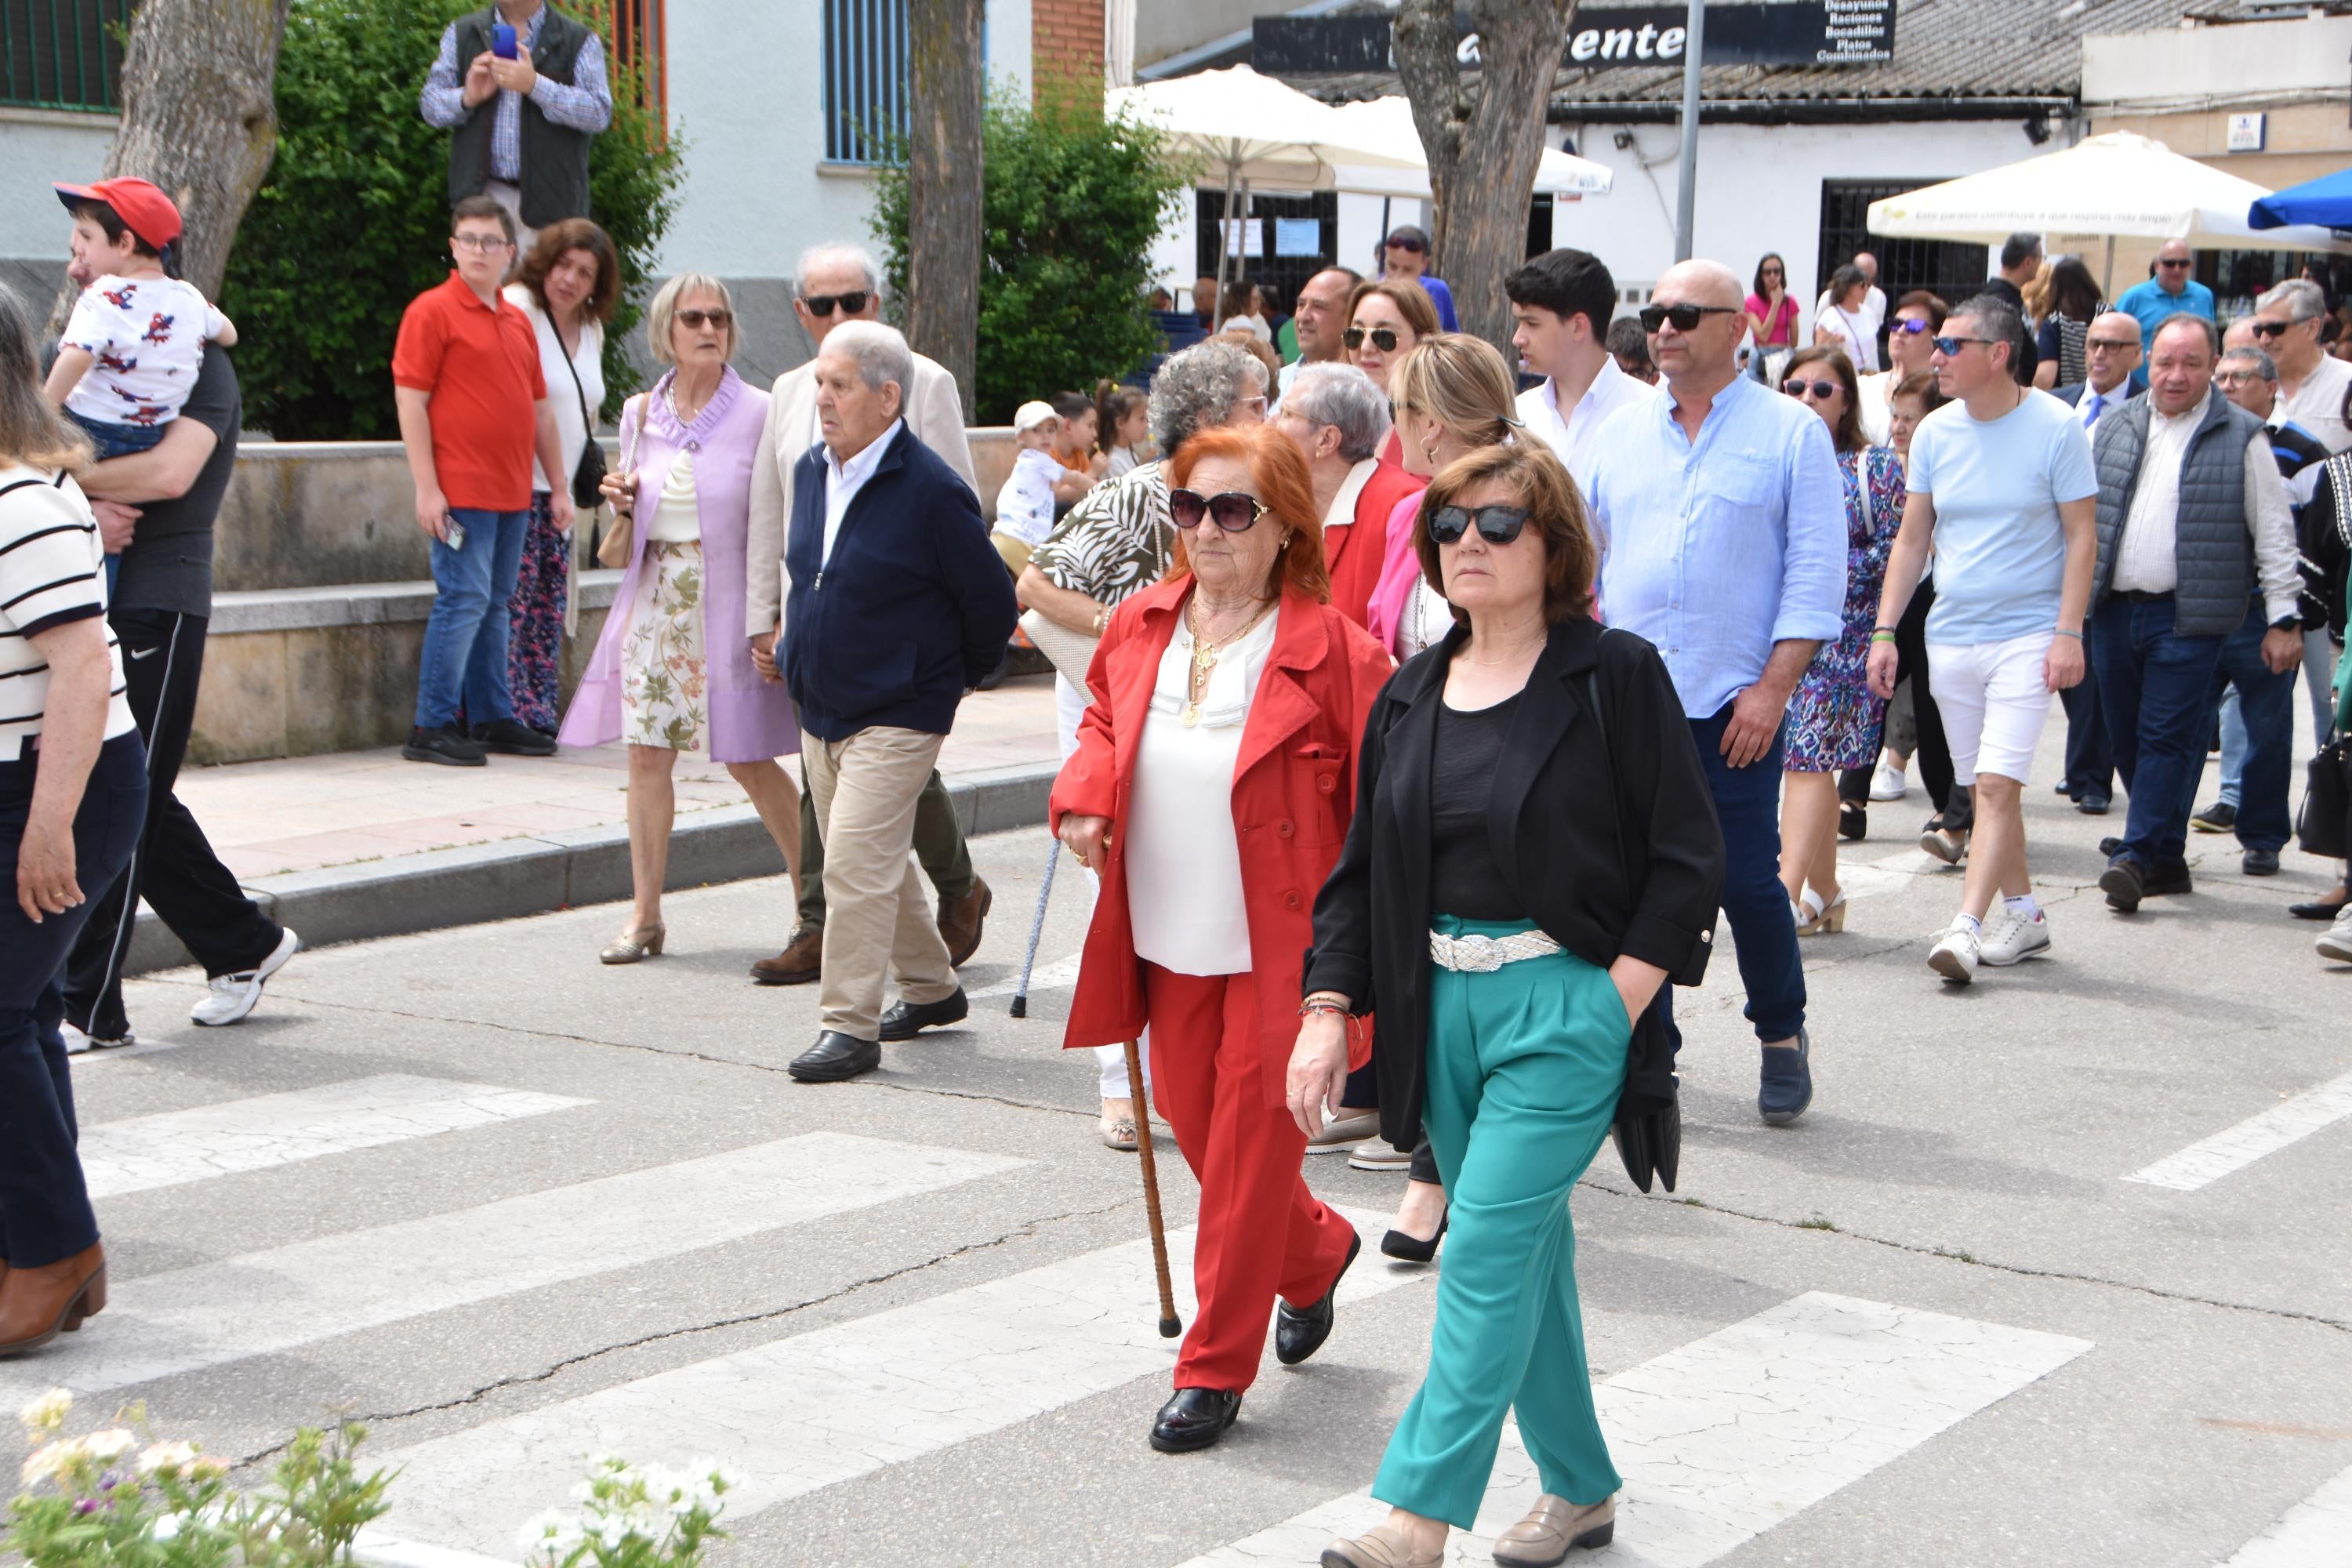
{"x": 1951, "y": 271}
{"x": 63, "y": 54}
{"x": 865, "y": 81}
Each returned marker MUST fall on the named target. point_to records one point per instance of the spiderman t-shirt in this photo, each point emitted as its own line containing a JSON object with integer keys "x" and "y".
{"x": 147, "y": 337}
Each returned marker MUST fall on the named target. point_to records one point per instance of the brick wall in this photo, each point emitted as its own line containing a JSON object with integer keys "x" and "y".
{"x": 1065, "y": 43}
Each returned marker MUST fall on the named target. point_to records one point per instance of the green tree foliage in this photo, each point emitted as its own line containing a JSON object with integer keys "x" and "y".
{"x": 353, "y": 222}
{"x": 1070, "y": 204}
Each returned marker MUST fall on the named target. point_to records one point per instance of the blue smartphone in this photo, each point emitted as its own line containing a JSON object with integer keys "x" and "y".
{"x": 502, "y": 40}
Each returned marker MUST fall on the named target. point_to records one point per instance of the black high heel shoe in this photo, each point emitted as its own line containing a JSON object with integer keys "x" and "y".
{"x": 1406, "y": 1248}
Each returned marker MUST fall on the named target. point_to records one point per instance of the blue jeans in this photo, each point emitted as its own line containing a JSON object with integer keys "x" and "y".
{"x": 465, "y": 658}
{"x": 115, "y": 440}
{"x": 1747, "y": 804}
{"x": 2319, "y": 673}
{"x": 2260, "y": 706}
{"x": 2156, "y": 690}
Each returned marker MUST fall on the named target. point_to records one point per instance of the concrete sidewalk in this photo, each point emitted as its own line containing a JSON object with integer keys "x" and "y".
{"x": 355, "y": 845}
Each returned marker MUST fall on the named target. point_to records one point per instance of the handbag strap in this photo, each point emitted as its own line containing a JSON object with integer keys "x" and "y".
{"x": 587, "y": 420}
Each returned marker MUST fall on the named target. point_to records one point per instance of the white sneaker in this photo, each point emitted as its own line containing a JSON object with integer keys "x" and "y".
{"x": 77, "y": 1042}
{"x": 1956, "y": 953}
{"x": 2336, "y": 942}
{"x": 2013, "y": 937}
{"x": 232, "y": 996}
{"x": 1889, "y": 782}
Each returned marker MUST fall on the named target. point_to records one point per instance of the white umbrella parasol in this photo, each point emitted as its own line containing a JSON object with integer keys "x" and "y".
{"x": 1391, "y": 120}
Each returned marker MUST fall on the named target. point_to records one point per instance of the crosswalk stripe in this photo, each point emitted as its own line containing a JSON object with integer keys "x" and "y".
{"x": 2210, "y": 1158}
{"x": 264, "y": 1302}
{"x": 827, "y": 1406}
{"x": 2313, "y": 1533}
{"x": 1723, "y": 1438}
{"x": 175, "y": 1147}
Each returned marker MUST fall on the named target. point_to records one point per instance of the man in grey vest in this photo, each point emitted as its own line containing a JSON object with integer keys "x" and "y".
{"x": 524, "y": 109}
{"x": 2193, "y": 525}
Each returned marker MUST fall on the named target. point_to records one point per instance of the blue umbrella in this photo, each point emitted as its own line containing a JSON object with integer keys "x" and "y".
{"x": 2325, "y": 201}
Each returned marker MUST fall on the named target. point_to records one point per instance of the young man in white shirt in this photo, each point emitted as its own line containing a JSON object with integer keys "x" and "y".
{"x": 1562, "y": 302}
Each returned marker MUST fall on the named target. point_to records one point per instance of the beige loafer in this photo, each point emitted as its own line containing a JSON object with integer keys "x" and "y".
{"x": 1381, "y": 1547}
{"x": 1556, "y": 1527}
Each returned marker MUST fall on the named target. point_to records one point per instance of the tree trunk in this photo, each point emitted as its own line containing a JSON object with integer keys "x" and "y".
{"x": 199, "y": 120}
{"x": 943, "y": 187}
{"x": 1483, "y": 137}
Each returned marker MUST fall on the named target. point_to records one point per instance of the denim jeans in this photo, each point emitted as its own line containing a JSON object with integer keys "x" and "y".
{"x": 1747, "y": 804}
{"x": 2259, "y": 707}
{"x": 465, "y": 658}
{"x": 2318, "y": 677}
{"x": 2156, "y": 690}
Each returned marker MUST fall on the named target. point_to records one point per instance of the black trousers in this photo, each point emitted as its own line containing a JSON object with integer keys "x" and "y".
{"x": 173, "y": 868}
{"x": 1935, "y": 753}
{"x": 2090, "y": 759}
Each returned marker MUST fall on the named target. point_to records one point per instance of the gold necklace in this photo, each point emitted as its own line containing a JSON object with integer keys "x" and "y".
{"x": 1204, "y": 659}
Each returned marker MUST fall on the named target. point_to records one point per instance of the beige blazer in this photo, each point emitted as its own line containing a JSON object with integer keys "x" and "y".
{"x": 934, "y": 410}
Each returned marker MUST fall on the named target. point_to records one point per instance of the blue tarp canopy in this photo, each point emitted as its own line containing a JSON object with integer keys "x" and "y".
{"x": 2325, "y": 201}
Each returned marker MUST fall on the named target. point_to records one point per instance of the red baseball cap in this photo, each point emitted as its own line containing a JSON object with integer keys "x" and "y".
{"x": 144, "y": 210}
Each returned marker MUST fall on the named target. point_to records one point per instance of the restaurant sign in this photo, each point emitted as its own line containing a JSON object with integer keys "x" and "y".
{"x": 1786, "y": 32}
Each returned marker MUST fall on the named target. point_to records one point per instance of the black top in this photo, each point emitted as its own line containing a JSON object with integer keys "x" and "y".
{"x": 1464, "y": 879}
{"x": 169, "y": 565}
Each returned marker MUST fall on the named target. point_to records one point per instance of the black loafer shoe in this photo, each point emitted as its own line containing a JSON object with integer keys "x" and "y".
{"x": 1300, "y": 1332}
{"x": 2123, "y": 885}
{"x": 2111, "y": 847}
{"x": 2094, "y": 805}
{"x": 1195, "y": 1419}
{"x": 513, "y": 738}
{"x": 2259, "y": 863}
{"x": 2172, "y": 876}
{"x": 903, "y": 1021}
{"x": 834, "y": 1058}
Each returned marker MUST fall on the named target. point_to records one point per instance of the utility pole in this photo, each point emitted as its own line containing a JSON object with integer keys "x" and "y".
{"x": 1687, "y": 190}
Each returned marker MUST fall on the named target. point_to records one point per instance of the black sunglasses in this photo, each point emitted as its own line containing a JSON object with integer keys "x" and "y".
{"x": 1383, "y": 337}
{"x": 1824, "y": 390}
{"x": 2273, "y": 329}
{"x": 1686, "y": 317}
{"x": 1497, "y": 524}
{"x": 1235, "y": 511}
{"x": 851, "y": 303}
{"x": 1407, "y": 243}
{"x": 2169, "y": 261}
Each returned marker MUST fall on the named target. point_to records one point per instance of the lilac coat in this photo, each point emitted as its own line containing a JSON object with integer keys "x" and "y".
{"x": 751, "y": 720}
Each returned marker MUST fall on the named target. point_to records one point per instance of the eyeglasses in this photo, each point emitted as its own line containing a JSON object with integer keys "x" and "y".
{"x": 696, "y": 319}
{"x": 2173, "y": 262}
{"x": 1685, "y": 318}
{"x": 1235, "y": 511}
{"x": 1909, "y": 326}
{"x": 851, "y": 303}
{"x": 2116, "y": 345}
{"x": 2229, "y": 378}
{"x": 483, "y": 243}
{"x": 1951, "y": 347}
{"x": 1383, "y": 337}
{"x": 1254, "y": 405}
{"x": 1406, "y": 243}
{"x": 1497, "y": 524}
{"x": 1824, "y": 390}
{"x": 2273, "y": 329}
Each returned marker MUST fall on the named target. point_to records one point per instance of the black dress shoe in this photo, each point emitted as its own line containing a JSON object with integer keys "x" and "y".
{"x": 2317, "y": 909}
{"x": 1406, "y": 1248}
{"x": 1300, "y": 1332}
{"x": 2111, "y": 847}
{"x": 513, "y": 738}
{"x": 1195, "y": 1419}
{"x": 903, "y": 1021}
{"x": 2094, "y": 805}
{"x": 2123, "y": 885}
{"x": 835, "y": 1056}
{"x": 2259, "y": 863}
{"x": 2171, "y": 876}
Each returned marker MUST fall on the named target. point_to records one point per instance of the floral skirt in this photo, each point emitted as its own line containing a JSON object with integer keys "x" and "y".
{"x": 665, "y": 677}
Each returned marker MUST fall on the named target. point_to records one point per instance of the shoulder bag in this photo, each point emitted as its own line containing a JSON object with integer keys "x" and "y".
{"x": 588, "y": 474}
{"x": 620, "y": 539}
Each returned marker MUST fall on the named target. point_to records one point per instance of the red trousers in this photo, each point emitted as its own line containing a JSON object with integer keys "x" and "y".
{"x": 1262, "y": 1233}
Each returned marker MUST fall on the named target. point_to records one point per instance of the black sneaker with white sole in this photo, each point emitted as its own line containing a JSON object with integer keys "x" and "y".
{"x": 444, "y": 746}
{"x": 513, "y": 738}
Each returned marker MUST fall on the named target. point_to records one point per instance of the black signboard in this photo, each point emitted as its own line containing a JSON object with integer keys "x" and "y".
{"x": 1795, "y": 32}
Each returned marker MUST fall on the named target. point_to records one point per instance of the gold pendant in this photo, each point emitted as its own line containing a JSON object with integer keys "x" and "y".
{"x": 1192, "y": 714}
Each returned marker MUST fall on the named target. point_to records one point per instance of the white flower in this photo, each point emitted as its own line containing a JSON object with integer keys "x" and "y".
{"x": 168, "y": 1458}
{"x": 47, "y": 1413}
{"x": 552, "y": 1535}
{"x": 109, "y": 1445}
{"x": 46, "y": 1462}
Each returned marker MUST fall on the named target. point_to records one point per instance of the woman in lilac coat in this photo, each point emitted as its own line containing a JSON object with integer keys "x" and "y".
{"x": 656, "y": 680}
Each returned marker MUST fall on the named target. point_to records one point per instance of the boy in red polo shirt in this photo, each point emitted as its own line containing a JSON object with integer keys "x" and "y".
{"x": 473, "y": 412}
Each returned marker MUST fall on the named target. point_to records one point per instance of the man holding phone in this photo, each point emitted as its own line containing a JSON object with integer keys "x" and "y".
{"x": 473, "y": 412}
{"x": 538, "y": 78}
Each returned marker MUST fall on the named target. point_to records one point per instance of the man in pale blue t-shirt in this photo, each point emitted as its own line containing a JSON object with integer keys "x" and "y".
{"x": 2003, "y": 491}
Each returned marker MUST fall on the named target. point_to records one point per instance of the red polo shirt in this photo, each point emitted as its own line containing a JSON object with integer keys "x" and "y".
{"x": 480, "y": 363}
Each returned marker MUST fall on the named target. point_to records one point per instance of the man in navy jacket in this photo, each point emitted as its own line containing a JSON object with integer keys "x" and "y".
{"x": 897, "y": 606}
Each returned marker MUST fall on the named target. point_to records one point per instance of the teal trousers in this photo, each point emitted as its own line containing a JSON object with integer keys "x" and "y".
{"x": 1521, "y": 1083}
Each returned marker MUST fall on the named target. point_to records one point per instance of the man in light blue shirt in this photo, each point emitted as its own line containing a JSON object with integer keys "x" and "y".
{"x": 2168, "y": 293}
{"x": 1722, "y": 516}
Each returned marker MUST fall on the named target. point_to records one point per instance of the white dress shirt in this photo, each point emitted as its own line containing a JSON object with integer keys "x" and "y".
{"x": 2095, "y": 405}
{"x": 2145, "y": 559}
{"x": 1568, "y": 435}
{"x": 844, "y": 481}
{"x": 1341, "y": 513}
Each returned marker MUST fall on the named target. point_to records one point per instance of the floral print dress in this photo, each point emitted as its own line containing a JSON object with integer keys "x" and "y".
{"x": 665, "y": 671}
{"x": 1834, "y": 716}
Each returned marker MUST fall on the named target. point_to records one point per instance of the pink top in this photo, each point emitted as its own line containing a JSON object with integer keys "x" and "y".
{"x": 1399, "y": 567}
{"x": 1783, "y": 326}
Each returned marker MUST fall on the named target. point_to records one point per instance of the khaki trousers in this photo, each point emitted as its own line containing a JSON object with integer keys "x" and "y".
{"x": 877, "y": 918}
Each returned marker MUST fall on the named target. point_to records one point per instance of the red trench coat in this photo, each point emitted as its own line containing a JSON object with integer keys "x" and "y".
{"x": 1293, "y": 791}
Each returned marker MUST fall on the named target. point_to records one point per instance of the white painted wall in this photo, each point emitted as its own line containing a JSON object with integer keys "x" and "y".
{"x": 37, "y": 148}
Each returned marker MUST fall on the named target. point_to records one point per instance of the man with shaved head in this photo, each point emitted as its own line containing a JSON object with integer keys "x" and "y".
{"x": 1722, "y": 517}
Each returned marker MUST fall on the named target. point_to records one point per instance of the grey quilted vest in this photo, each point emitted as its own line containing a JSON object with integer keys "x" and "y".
{"x": 2212, "y": 551}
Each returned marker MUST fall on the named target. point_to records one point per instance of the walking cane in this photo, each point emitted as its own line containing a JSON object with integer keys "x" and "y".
{"x": 1169, "y": 1324}
{"x": 1036, "y": 929}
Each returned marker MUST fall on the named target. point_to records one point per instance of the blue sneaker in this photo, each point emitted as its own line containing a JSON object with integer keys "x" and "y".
{"x": 1787, "y": 1086}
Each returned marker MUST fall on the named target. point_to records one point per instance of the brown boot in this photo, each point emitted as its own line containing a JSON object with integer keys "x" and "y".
{"x": 959, "y": 921}
{"x": 37, "y": 1305}
{"x": 802, "y": 960}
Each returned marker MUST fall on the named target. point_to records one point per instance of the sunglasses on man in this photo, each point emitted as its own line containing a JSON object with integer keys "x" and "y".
{"x": 2173, "y": 262}
{"x": 2273, "y": 329}
{"x": 1824, "y": 390}
{"x": 850, "y": 303}
{"x": 1686, "y": 317}
{"x": 1383, "y": 337}
{"x": 1235, "y": 511}
{"x": 1406, "y": 243}
{"x": 1951, "y": 347}
{"x": 1497, "y": 524}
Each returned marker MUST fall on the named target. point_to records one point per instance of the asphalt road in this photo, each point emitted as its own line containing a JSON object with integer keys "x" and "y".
{"x": 510, "y": 1208}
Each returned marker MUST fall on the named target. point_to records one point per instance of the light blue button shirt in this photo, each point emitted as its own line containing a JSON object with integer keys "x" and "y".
{"x": 1719, "y": 548}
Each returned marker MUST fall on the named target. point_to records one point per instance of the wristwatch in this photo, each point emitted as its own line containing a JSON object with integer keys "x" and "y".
{"x": 2287, "y": 624}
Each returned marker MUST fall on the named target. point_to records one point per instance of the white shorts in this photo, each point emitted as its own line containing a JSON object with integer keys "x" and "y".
{"x": 1994, "y": 701}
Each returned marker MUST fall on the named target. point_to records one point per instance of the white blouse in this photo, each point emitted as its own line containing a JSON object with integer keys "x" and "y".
{"x": 1426, "y": 620}
{"x": 1183, "y": 858}
{"x": 563, "y": 401}
{"x": 677, "y": 517}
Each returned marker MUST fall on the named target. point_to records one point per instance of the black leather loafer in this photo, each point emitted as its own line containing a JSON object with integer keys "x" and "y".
{"x": 2260, "y": 863}
{"x": 834, "y": 1058}
{"x": 2123, "y": 885}
{"x": 1195, "y": 1419}
{"x": 903, "y": 1021}
{"x": 1300, "y": 1332}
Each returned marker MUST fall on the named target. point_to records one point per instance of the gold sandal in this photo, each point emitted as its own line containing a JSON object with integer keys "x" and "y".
{"x": 646, "y": 941}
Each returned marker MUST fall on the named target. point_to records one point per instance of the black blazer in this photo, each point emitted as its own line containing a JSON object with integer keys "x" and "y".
{"x": 1566, "y": 833}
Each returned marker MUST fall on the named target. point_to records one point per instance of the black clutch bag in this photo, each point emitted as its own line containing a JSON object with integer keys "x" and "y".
{"x": 1649, "y": 1139}
{"x": 2325, "y": 826}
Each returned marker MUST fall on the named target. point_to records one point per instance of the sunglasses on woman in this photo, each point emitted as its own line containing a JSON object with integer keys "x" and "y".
{"x": 1909, "y": 326}
{"x": 1235, "y": 511}
{"x": 1383, "y": 337}
{"x": 851, "y": 303}
{"x": 1686, "y": 317}
{"x": 695, "y": 319}
{"x": 1497, "y": 524}
{"x": 1824, "y": 390}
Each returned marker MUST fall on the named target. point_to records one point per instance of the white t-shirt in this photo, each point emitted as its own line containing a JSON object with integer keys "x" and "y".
{"x": 565, "y": 405}
{"x": 1024, "y": 507}
{"x": 2319, "y": 404}
{"x": 2000, "y": 547}
{"x": 1857, "y": 333}
{"x": 147, "y": 335}
{"x": 52, "y": 572}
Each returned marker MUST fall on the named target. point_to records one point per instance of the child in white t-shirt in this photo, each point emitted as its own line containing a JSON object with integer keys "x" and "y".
{"x": 135, "y": 342}
{"x": 1024, "y": 507}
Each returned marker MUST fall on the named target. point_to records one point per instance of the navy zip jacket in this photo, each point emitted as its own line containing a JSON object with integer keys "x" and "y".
{"x": 912, "y": 611}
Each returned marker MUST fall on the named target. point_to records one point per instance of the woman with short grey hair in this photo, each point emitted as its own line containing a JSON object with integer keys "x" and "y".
{"x": 1339, "y": 418}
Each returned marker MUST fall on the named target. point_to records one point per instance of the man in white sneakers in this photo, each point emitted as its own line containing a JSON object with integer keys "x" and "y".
{"x": 2003, "y": 491}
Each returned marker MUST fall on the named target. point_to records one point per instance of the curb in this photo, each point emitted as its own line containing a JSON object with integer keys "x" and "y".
{"x": 535, "y": 875}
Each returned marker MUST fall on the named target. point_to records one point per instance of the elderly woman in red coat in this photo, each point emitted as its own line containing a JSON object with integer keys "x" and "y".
{"x": 1211, "y": 788}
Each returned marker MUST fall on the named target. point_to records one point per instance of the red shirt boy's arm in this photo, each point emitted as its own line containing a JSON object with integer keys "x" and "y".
{"x": 417, "y": 351}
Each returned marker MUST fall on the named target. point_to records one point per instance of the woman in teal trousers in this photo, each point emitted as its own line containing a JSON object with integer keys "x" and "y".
{"x": 1522, "y": 875}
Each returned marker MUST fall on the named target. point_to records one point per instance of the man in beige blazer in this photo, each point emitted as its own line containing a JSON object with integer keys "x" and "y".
{"x": 833, "y": 284}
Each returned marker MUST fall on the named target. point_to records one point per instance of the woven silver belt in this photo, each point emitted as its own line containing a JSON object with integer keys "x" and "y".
{"x": 1485, "y": 954}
